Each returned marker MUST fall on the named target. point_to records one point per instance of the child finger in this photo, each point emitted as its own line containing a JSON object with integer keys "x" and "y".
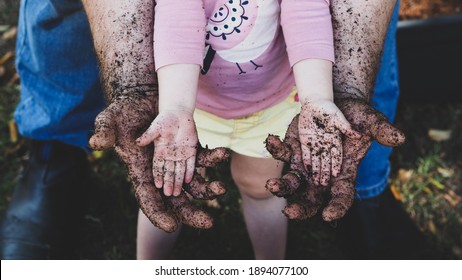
{"x": 325, "y": 172}
{"x": 149, "y": 135}
{"x": 345, "y": 127}
{"x": 180, "y": 169}
{"x": 336, "y": 160}
{"x": 157, "y": 171}
{"x": 306, "y": 156}
{"x": 189, "y": 169}
{"x": 315, "y": 167}
{"x": 169, "y": 177}
{"x": 337, "y": 152}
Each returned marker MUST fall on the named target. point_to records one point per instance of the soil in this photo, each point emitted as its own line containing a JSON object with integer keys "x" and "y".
{"x": 423, "y": 9}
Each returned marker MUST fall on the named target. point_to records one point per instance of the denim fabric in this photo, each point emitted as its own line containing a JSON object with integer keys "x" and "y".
{"x": 60, "y": 87}
{"x": 375, "y": 167}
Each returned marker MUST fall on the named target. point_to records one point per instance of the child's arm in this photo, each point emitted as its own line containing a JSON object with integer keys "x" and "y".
{"x": 179, "y": 39}
{"x": 173, "y": 131}
{"x": 320, "y": 121}
{"x": 308, "y": 34}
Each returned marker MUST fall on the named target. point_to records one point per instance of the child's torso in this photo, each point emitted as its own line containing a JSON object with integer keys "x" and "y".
{"x": 246, "y": 67}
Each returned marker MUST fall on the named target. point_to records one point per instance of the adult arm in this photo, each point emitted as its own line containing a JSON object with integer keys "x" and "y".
{"x": 359, "y": 33}
{"x": 123, "y": 39}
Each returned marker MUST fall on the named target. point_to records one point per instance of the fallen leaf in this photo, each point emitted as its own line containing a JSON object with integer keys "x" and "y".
{"x": 213, "y": 203}
{"x": 436, "y": 184}
{"x": 395, "y": 192}
{"x": 431, "y": 226}
{"x": 4, "y": 28}
{"x": 2, "y": 71}
{"x": 445, "y": 172}
{"x": 10, "y": 33}
{"x": 451, "y": 200}
{"x": 13, "y": 131}
{"x": 14, "y": 79}
{"x": 439, "y": 135}
{"x": 95, "y": 155}
{"x": 427, "y": 190}
{"x": 6, "y": 57}
{"x": 404, "y": 175}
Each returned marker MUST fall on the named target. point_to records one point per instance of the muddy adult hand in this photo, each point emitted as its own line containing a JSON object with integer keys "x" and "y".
{"x": 175, "y": 144}
{"x": 372, "y": 125}
{"x": 320, "y": 126}
{"x": 307, "y": 199}
{"x": 118, "y": 126}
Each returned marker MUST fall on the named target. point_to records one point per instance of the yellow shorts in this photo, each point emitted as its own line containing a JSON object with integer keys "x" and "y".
{"x": 247, "y": 135}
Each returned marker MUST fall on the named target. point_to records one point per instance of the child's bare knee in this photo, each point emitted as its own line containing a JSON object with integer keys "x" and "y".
{"x": 253, "y": 190}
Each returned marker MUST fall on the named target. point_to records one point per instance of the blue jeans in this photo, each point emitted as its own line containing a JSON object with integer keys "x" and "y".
{"x": 61, "y": 94}
{"x": 60, "y": 87}
{"x": 375, "y": 167}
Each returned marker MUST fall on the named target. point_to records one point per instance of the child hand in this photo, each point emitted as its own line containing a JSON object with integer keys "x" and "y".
{"x": 175, "y": 145}
{"x": 320, "y": 126}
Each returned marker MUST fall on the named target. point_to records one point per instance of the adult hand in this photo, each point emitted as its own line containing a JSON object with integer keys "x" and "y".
{"x": 307, "y": 199}
{"x": 118, "y": 126}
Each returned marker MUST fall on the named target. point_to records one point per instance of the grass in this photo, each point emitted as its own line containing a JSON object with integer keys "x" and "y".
{"x": 426, "y": 178}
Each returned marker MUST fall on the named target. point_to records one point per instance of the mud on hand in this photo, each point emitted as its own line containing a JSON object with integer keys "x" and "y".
{"x": 118, "y": 126}
{"x": 306, "y": 199}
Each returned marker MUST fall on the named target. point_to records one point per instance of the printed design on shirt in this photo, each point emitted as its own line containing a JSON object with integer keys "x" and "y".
{"x": 260, "y": 20}
{"x": 227, "y": 19}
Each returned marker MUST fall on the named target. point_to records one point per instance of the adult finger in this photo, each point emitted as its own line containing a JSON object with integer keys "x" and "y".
{"x": 308, "y": 204}
{"x": 153, "y": 206}
{"x": 284, "y": 186}
{"x": 200, "y": 189}
{"x": 188, "y": 213}
{"x": 386, "y": 134}
{"x": 104, "y": 136}
{"x": 342, "y": 197}
{"x": 278, "y": 149}
{"x": 212, "y": 157}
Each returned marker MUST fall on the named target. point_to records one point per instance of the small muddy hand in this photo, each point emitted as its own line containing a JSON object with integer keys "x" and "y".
{"x": 306, "y": 198}
{"x": 175, "y": 139}
{"x": 118, "y": 126}
{"x": 320, "y": 127}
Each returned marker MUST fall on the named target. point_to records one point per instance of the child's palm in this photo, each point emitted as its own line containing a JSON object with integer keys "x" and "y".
{"x": 320, "y": 126}
{"x": 175, "y": 140}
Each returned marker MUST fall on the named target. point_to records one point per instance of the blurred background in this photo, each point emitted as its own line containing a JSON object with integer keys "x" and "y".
{"x": 427, "y": 169}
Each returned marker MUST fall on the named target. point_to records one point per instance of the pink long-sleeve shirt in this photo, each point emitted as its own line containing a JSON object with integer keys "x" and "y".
{"x": 246, "y": 59}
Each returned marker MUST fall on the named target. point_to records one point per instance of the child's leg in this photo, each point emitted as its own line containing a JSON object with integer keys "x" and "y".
{"x": 266, "y": 224}
{"x": 153, "y": 243}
